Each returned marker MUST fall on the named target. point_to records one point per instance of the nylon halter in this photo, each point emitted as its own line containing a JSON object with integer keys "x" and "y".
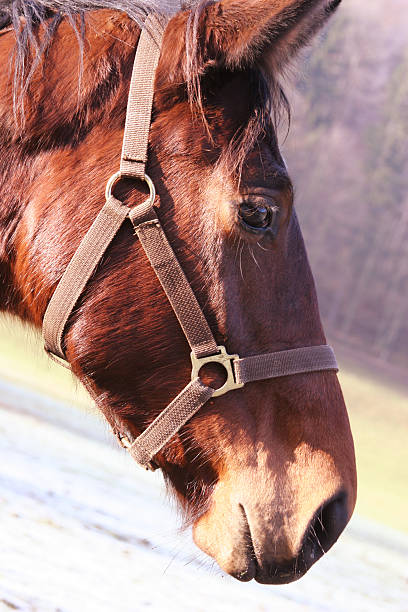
{"x": 149, "y": 231}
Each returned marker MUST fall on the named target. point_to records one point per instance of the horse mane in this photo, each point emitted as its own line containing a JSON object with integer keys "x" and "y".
{"x": 50, "y": 13}
{"x": 35, "y": 11}
{"x": 25, "y": 16}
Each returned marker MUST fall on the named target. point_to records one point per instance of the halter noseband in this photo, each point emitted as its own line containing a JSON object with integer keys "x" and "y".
{"x": 149, "y": 231}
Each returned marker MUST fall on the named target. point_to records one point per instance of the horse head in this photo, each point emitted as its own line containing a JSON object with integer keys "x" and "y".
{"x": 266, "y": 473}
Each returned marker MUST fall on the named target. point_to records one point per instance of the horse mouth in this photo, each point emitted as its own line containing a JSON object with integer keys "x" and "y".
{"x": 279, "y": 576}
{"x": 271, "y": 573}
{"x": 272, "y": 558}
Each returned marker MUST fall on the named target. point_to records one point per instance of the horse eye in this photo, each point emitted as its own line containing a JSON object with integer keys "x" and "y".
{"x": 258, "y": 217}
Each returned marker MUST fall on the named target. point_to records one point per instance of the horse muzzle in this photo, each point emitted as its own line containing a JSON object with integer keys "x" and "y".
{"x": 273, "y": 528}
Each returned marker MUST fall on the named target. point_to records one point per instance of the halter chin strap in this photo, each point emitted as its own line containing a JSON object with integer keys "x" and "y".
{"x": 149, "y": 231}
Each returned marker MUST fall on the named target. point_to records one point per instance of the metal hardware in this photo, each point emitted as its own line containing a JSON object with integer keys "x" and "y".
{"x": 225, "y": 360}
{"x": 115, "y": 178}
{"x": 151, "y": 466}
{"x": 124, "y": 441}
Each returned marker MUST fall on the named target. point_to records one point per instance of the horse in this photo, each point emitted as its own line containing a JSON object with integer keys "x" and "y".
{"x": 264, "y": 475}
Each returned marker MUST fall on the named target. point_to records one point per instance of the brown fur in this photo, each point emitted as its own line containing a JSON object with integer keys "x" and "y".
{"x": 278, "y": 449}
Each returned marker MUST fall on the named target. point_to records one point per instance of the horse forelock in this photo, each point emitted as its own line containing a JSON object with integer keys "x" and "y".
{"x": 26, "y": 15}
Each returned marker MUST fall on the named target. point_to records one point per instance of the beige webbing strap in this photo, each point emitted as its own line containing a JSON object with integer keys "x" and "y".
{"x": 143, "y": 217}
{"x": 173, "y": 281}
{"x": 285, "y": 363}
{"x": 140, "y": 101}
{"x": 79, "y": 271}
{"x": 196, "y": 394}
{"x": 169, "y": 421}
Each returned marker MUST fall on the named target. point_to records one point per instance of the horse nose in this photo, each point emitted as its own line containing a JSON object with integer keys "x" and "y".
{"x": 272, "y": 525}
{"x": 323, "y": 531}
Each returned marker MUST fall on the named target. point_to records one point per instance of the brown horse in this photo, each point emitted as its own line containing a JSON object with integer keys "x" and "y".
{"x": 266, "y": 474}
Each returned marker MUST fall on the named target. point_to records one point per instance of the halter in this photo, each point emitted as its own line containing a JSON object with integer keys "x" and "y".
{"x": 149, "y": 231}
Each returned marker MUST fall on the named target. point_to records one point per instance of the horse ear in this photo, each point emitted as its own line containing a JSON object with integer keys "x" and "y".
{"x": 237, "y": 34}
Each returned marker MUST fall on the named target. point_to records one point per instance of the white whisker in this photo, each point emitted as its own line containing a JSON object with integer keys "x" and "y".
{"x": 254, "y": 258}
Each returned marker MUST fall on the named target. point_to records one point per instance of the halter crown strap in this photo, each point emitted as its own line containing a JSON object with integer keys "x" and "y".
{"x": 140, "y": 101}
{"x": 171, "y": 276}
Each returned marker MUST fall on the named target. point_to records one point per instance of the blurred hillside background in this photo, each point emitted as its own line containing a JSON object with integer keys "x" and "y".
{"x": 348, "y": 155}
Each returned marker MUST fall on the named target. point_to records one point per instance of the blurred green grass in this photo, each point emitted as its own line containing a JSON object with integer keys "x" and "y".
{"x": 24, "y": 361}
{"x": 378, "y": 413}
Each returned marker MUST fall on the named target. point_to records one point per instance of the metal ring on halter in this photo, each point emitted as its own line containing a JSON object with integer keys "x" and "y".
{"x": 226, "y": 361}
{"x": 115, "y": 178}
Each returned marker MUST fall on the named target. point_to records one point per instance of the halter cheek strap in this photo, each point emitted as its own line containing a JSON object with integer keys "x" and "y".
{"x": 149, "y": 231}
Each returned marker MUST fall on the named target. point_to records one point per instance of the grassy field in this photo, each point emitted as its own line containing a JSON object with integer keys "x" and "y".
{"x": 22, "y": 359}
{"x": 378, "y": 413}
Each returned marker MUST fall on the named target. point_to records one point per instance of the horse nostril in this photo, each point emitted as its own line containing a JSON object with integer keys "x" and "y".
{"x": 324, "y": 530}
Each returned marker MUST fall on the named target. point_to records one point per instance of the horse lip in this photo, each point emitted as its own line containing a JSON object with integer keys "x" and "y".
{"x": 249, "y": 573}
{"x": 255, "y": 572}
{"x": 268, "y": 576}
{"x": 290, "y": 572}
{"x": 284, "y": 576}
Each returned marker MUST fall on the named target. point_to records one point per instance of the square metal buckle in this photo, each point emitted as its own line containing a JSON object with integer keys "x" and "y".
{"x": 225, "y": 360}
